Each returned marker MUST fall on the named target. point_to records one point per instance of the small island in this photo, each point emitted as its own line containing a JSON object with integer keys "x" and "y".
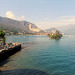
{"x": 55, "y": 35}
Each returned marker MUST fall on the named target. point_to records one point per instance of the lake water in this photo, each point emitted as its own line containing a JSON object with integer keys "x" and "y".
{"x": 41, "y": 56}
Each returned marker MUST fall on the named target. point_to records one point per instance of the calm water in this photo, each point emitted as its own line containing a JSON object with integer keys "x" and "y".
{"x": 41, "y": 56}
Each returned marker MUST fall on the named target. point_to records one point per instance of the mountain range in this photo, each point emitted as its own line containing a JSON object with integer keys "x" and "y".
{"x": 18, "y": 25}
{"x": 25, "y": 26}
{"x": 51, "y": 30}
{"x": 67, "y": 29}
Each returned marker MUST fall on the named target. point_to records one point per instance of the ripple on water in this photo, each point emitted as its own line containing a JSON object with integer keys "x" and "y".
{"x": 23, "y": 72}
{"x": 49, "y": 56}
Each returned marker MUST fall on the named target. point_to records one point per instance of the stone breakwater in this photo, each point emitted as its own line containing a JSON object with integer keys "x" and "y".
{"x": 8, "y": 51}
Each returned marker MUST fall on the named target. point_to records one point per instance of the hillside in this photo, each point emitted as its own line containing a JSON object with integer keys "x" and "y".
{"x": 19, "y": 26}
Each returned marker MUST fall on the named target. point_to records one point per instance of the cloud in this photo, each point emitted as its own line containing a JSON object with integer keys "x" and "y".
{"x": 69, "y": 20}
{"x": 22, "y": 18}
{"x": 64, "y": 17}
{"x": 10, "y": 14}
{"x": 60, "y": 21}
{"x": 45, "y": 25}
{"x": 30, "y": 19}
{"x": 46, "y": 18}
{"x": 50, "y": 24}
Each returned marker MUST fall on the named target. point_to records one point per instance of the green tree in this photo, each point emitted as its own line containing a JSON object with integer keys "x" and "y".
{"x": 2, "y": 36}
{"x": 56, "y": 35}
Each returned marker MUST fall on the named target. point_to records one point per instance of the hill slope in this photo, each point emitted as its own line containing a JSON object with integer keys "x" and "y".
{"x": 18, "y": 25}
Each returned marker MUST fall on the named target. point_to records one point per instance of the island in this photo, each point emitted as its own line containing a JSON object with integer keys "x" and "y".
{"x": 55, "y": 35}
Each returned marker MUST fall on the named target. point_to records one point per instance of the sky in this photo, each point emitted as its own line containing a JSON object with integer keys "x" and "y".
{"x": 44, "y": 13}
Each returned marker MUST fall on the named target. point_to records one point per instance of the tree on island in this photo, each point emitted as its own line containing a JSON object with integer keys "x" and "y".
{"x": 2, "y": 37}
{"x": 55, "y": 35}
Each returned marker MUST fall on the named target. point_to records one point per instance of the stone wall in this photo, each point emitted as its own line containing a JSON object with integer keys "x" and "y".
{"x": 6, "y": 53}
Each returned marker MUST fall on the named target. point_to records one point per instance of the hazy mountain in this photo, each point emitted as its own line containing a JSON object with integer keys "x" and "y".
{"x": 51, "y": 30}
{"x": 68, "y": 29}
{"x": 18, "y": 25}
{"x": 9, "y": 24}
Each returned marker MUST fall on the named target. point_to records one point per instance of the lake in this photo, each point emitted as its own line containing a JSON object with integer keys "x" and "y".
{"x": 41, "y": 56}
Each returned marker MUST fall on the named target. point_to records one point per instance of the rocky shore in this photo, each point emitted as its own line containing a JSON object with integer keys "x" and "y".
{"x": 8, "y": 51}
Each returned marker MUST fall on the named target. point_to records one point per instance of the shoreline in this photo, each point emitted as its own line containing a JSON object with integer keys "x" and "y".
{"x": 3, "y": 64}
{"x": 8, "y": 51}
{"x": 5, "y": 54}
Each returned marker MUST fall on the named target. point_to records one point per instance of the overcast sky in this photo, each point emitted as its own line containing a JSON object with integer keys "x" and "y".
{"x": 44, "y": 13}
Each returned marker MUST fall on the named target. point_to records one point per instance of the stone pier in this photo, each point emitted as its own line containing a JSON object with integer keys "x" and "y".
{"x": 9, "y": 50}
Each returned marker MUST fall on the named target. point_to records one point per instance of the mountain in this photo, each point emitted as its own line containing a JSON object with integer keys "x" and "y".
{"x": 51, "y": 30}
{"x": 68, "y": 29}
{"x": 18, "y": 25}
